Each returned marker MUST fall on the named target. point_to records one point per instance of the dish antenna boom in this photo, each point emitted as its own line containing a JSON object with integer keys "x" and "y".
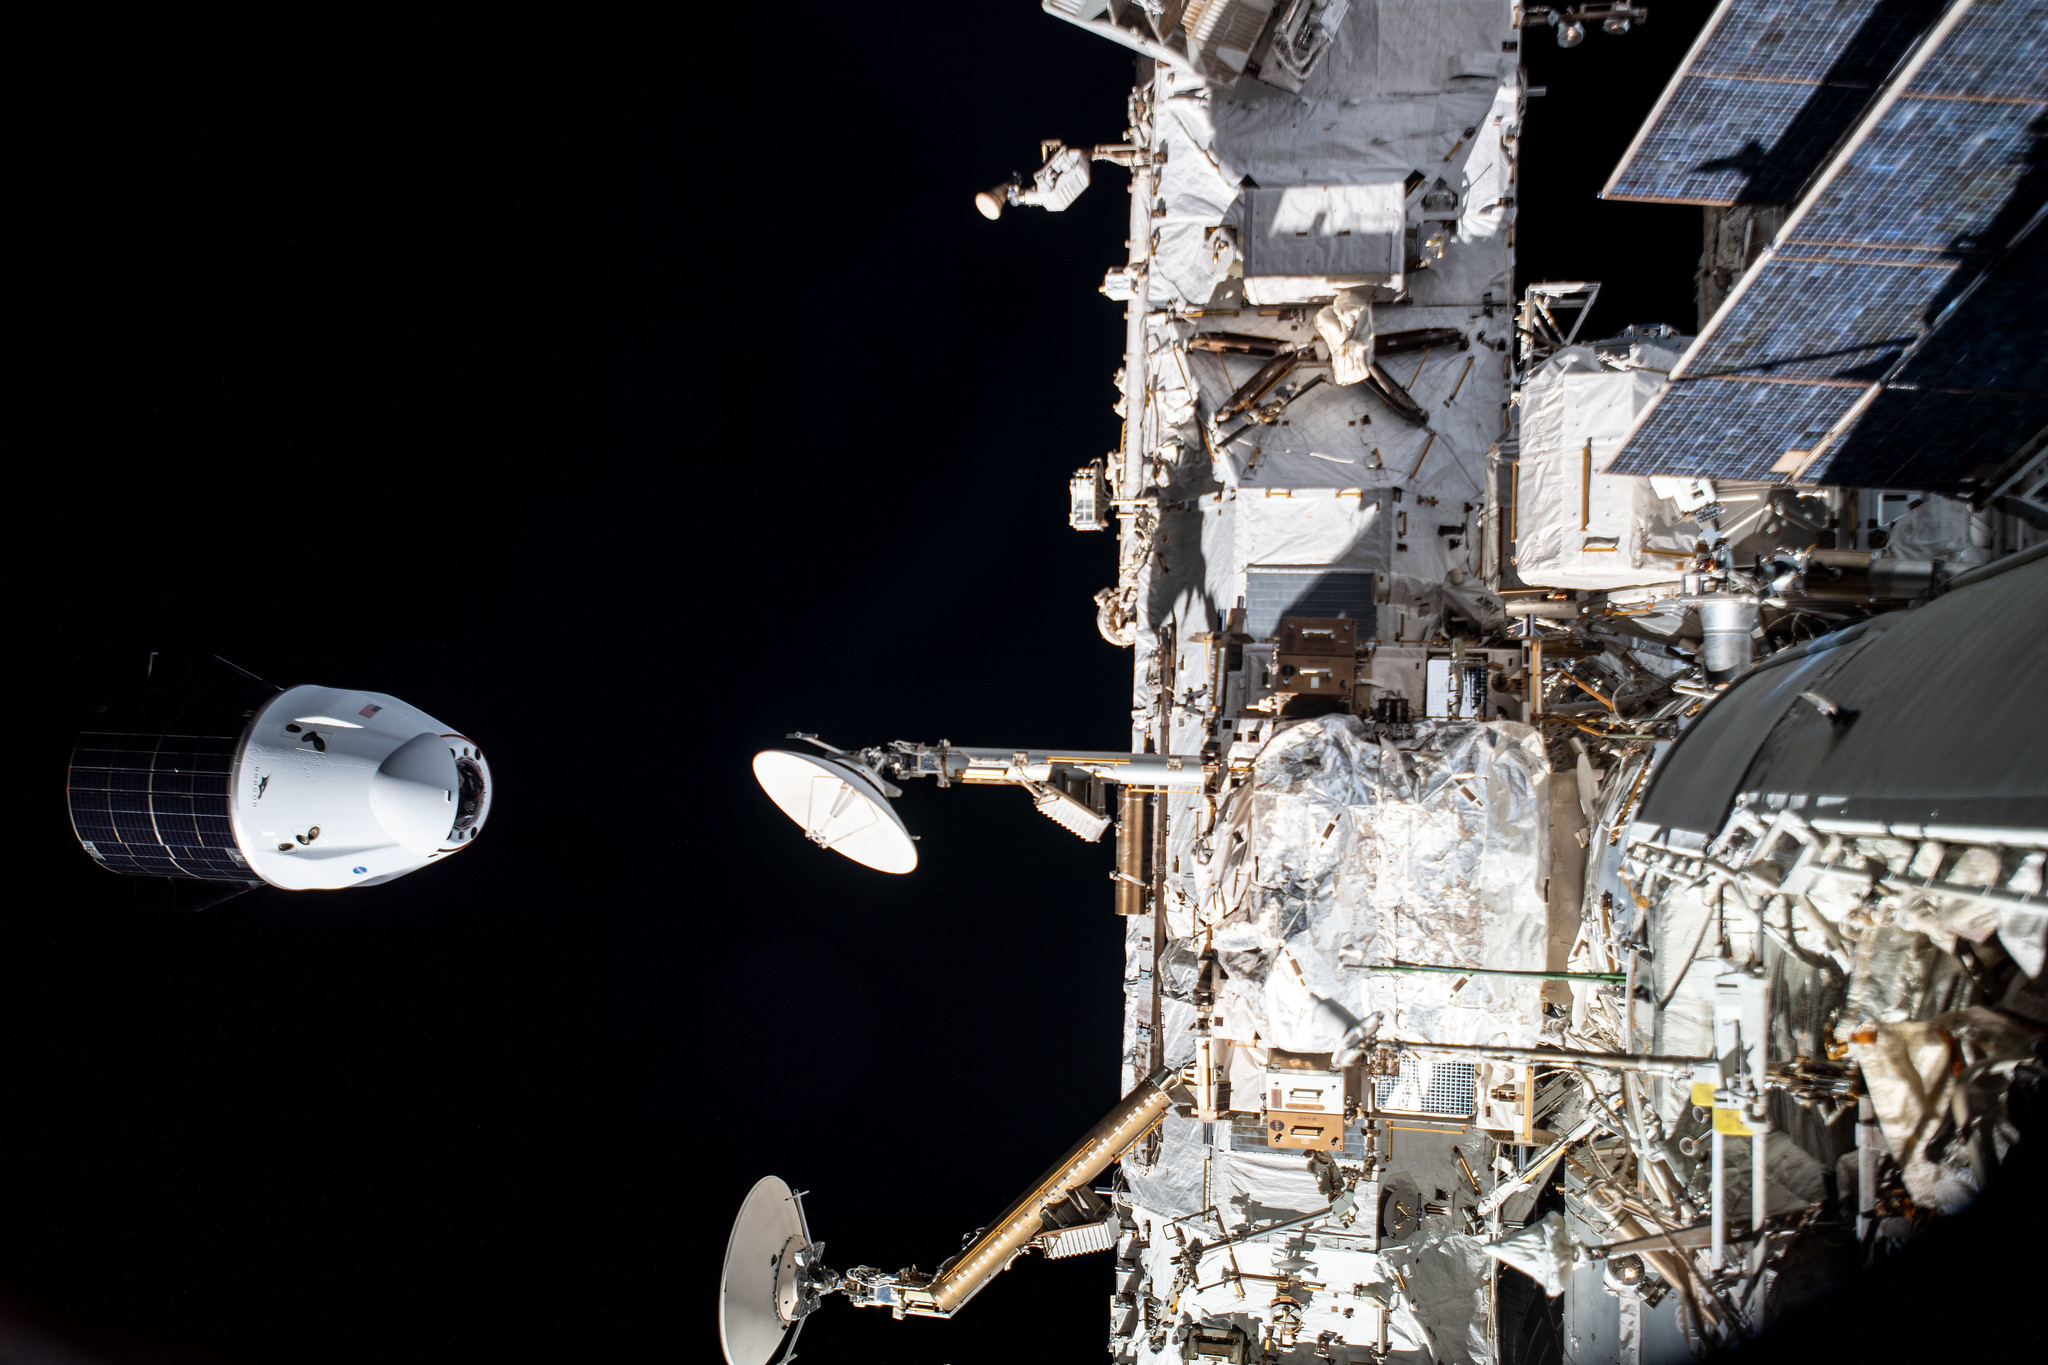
{"x": 775, "y": 1276}
{"x": 842, "y": 800}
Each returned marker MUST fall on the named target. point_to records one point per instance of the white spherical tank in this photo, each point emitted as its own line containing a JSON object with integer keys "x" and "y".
{"x": 209, "y": 774}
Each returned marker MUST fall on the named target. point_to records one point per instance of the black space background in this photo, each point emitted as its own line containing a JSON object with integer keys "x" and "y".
{"x": 625, "y": 392}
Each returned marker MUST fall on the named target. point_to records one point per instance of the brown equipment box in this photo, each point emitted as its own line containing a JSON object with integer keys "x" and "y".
{"x": 1316, "y": 656}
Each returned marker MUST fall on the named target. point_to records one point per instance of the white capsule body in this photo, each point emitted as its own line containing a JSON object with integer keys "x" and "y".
{"x": 206, "y": 773}
{"x": 336, "y": 788}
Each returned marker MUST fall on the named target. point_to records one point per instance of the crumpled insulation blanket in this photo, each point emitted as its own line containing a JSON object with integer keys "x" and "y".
{"x": 1917, "y": 1080}
{"x": 1350, "y": 849}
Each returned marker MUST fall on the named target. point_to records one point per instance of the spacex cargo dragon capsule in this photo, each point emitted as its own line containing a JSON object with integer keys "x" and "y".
{"x": 209, "y": 774}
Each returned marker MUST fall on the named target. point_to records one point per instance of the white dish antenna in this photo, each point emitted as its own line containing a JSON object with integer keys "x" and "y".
{"x": 761, "y": 1305}
{"x": 839, "y": 806}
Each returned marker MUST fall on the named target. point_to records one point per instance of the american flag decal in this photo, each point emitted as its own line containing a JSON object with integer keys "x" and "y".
{"x": 369, "y": 711}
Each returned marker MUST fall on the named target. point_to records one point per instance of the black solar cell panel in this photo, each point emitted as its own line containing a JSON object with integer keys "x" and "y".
{"x": 1816, "y": 316}
{"x": 1678, "y": 159}
{"x": 1996, "y": 53}
{"x": 155, "y": 803}
{"x": 1763, "y": 98}
{"x": 149, "y": 783}
{"x": 1971, "y": 394}
{"x": 1933, "y": 190}
{"x": 1931, "y": 175}
{"x": 1781, "y": 40}
{"x": 1731, "y": 428}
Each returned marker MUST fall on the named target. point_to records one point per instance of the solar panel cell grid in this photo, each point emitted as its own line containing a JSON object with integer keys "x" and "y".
{"x": 1698, "y": 152}
{"x": 1765, "y": 97}
{"x": 1924, "y": 201}
{"x": 1933, "y": 173}
{"x": 1819, "y": 320}
{"x": 1784, "y": 39}
{"x": 152, "y": 799}
{"x": 1945, "y": 424}
{"x": 1734, "y": 428}
{"x": 1998, "y": 51}
{"x": 1920, "y": 439}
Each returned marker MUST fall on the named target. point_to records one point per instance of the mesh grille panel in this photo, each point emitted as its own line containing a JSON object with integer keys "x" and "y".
{"x": 1426, "y": 1086}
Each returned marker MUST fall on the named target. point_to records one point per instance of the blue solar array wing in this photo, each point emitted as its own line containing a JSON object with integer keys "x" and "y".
{"x": 1763, "y": 98}
{"x": 1935, "y": 420}
{"x": 1931, "y": 177}
{"x": 1732, "y": 428}
{"x": 1994, "y": 54}
{"x": 1934, "y": 192}
{"x": 1821, "y": 315}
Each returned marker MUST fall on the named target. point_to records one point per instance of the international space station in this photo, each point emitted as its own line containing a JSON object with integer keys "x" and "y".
{"x": 1582, "y": 840}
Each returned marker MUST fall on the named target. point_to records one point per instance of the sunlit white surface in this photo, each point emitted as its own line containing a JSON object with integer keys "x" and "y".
{"x": 839, "y": 807}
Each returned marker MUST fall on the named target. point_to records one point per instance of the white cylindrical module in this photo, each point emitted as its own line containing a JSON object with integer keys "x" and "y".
{"x": 221, "y": 777}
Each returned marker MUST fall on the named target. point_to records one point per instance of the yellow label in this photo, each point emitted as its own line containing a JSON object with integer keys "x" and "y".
{"x": 1703, "y": 1094}
{"x": 1729, "y": 1121}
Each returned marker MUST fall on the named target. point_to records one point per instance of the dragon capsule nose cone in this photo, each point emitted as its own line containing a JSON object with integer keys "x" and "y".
{"x": 413, "y": 793}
